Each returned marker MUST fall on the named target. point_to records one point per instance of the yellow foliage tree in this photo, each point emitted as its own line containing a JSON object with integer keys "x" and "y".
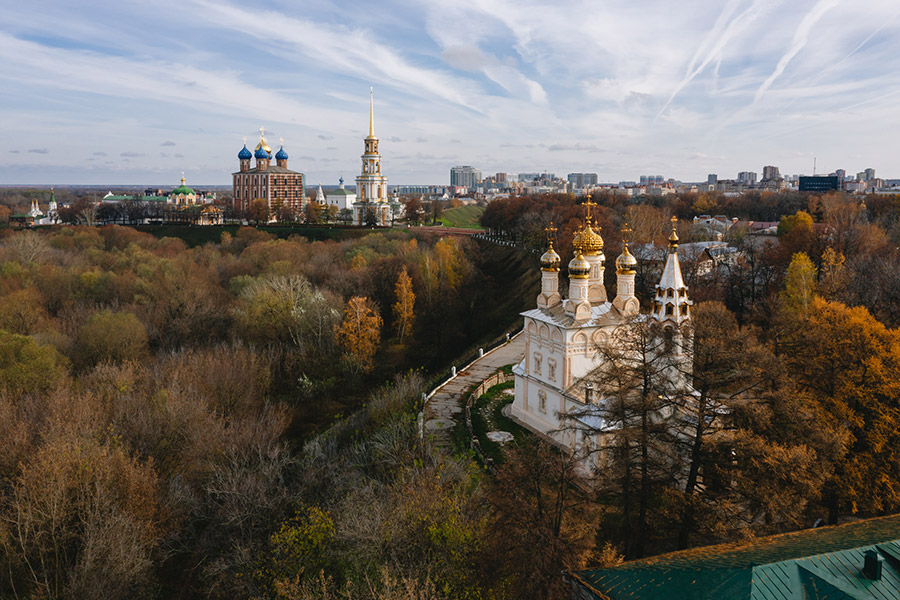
{"x": 800, "y": 283}
{"x": 359, "y": 333}
{"x": 845, "y": 360}
{"x": 403, "y": 308}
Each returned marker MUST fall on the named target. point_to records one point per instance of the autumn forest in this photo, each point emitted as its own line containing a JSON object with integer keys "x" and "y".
{"x": 238, "y": 418}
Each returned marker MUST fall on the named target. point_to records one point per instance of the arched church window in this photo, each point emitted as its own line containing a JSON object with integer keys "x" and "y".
{"x": 542, "y": 401}
{"x": 670, "y": 292}
{"x": 670, "y": 310}
{"x": 669, "y": 339}
{"x": 684, "y": 309}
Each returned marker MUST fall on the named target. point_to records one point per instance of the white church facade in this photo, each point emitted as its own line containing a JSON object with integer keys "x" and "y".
{"x": 564, "y": 337}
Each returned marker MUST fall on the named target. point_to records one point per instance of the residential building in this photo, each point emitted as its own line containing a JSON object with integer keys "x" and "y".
{"x": 747, "y": 177}
{"x": 712, "y": 179}
{"x": 770, "y": 173}
{"x": 582, "y": 180}
{"x": 464, "y": 176}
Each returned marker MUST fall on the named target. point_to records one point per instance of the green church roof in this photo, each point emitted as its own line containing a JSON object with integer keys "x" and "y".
{"x": 805, "y": 565}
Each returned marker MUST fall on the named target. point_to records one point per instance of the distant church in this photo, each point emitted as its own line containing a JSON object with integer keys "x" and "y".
{"x": 554, "y": 393}
{"x": 372, "y": 205}
{"x": 276, "y": 184}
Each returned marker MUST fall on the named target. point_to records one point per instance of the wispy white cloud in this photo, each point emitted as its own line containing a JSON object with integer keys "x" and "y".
{"x": 801, "y": 37}
{"x": 619, "y": 88}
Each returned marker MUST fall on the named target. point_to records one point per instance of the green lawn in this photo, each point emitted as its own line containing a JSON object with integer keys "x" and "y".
{"x": 487, "y": 416}
{"x": 463, "y": 216}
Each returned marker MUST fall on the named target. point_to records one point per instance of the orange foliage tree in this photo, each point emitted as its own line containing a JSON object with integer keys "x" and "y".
{"x": 403, "y": 308}
{"x": 359, "y": 333}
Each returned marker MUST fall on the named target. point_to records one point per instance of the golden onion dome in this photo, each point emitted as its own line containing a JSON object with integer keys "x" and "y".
{"x": 550, "y": 260}
{"x": 576, "y": 241}
{"x": 591, "y": 242}
{"x": 579, "y": 268}
{"x": 264, "y": 145}
{"x": 626, "y": 262}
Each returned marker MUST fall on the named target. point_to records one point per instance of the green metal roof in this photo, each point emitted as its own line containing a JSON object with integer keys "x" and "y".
{"x": 804, "y": 565}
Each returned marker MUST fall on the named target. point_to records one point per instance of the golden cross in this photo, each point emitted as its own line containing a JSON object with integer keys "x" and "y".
{"x": 588, "y": 203}
{"x": 626, "y": 233}
{"x": 262, "y": 132}
{"x": 281, "y": 140}
{"x": 550, "y": 231}
{"x": 245, "y": 140}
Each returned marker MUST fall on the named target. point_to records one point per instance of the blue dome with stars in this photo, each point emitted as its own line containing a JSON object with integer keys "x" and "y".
{"x": 245, "y": 154}
{"x": 261, "y": 154}
{"x": 282, "y": 155}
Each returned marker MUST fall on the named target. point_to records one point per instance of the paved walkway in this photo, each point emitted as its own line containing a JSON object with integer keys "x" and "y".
{"x": 447, "y": 401}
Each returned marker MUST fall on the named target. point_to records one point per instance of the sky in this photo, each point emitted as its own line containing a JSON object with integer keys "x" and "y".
{"x": 137, "y": 92}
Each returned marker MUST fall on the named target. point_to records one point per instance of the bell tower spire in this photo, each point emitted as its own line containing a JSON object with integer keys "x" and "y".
{"x": 672, "y": 303}
{"x": 371, "y": 112}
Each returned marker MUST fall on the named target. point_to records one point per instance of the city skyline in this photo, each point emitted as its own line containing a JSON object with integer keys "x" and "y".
{"x": 95, "y": 95}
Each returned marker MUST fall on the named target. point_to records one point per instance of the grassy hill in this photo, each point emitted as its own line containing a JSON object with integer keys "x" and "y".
{"x": 463, "y": 216}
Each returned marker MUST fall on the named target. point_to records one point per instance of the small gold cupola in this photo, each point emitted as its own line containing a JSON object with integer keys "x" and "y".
{"x": 626, "y": 262}
{"x": 550, "y": 260}
{"x": 579, "y": 268}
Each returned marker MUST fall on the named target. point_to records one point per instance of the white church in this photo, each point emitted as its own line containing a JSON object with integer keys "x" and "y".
{"x": 564, "y": 336}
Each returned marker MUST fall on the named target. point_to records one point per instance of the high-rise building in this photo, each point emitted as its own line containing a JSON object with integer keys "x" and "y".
{"x": 818, "y": 183}
{"x": 747, "y": 177}
{"x": 841, "y": 174}
{"x": 869, "y": 174}
{"x": 371, "y": 185}
{"x": 712, "y": 179}
{"x": 276, "y": 184}
{"x": 582, "y": 180}
{"x": 500, "y": 177}
{"x": 652, "y": 179}
{"x": 770, "y": 173}
{"x": 464, "y": 176}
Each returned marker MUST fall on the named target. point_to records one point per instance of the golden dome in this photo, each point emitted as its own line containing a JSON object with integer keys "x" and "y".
{"x": 579, "y": 268}
{"x": 576, "y": 241}
{"x": 626, "y": 262}
{"x": 591, "y": 242}
{"x": 550, "y": 260}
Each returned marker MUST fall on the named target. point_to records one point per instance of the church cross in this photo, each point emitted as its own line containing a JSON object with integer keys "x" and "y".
{"x": 550, "y": 231}
{"x": 626, "y": 233}
{"x": 589, "y": 204}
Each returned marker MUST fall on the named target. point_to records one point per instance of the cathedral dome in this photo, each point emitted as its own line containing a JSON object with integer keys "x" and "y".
{"x": 282, "y": 155}
{"x": 261, "y": 153}
{"x": 626, "y": 262}
{"x": 579, "y": 268}
{"x": 183, "y": 189}
{"x": 550, "y": 260}
{"x": 591, "y": 242}
{"x": 245, "y": 154}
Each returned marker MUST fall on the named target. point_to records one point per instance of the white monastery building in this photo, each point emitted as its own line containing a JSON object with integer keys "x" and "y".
{"x": 564, "y": 336}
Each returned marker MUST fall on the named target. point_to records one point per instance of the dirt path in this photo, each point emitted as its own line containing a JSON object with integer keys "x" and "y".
{"x": 447, "y": 400}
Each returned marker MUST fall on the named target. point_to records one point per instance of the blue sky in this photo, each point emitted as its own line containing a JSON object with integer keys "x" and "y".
{"x": 137, "y": 92}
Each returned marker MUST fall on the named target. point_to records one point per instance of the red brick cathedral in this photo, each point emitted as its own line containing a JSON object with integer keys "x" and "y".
{"x": 280, "y": 187}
